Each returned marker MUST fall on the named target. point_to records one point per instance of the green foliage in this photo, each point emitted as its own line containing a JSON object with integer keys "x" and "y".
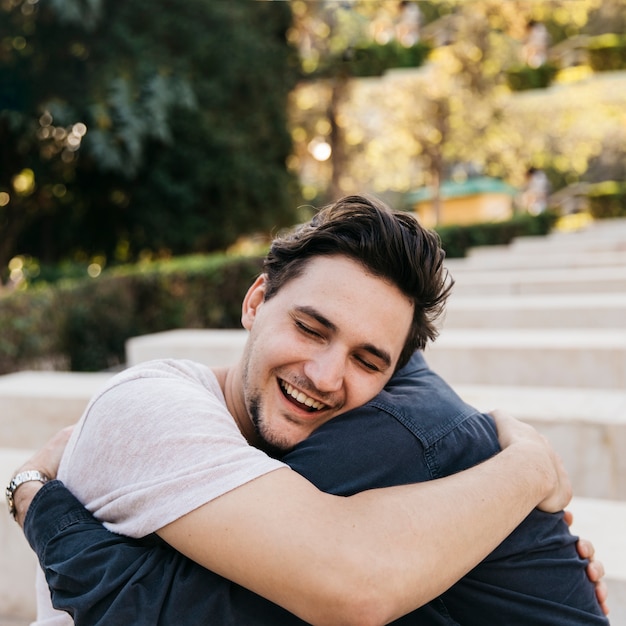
{"x": 161, "y": 129}
{"x": 375, "y": 59}
{"x": 84, "y": 324}
{"x": 29, "y": 323}
{"x": 525, "y": 77}
{"x": 607, "y": 52}
{"x": 456, "y": 240}
{"x": 372, "y": 59}
{"x": 607, "y": 199}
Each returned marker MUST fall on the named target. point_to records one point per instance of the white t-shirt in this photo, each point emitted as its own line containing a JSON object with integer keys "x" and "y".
{"x": 156, "y": 443}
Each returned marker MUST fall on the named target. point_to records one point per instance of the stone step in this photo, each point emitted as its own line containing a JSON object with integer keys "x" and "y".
{"x": 573, "y": 242}
{"x": 606, "y": 310}
{"x": 506, "y": 258}
{"x": 587, "y": 428}
{"x": 213, "y": 347}
{"x": 601, "y": 521}
{"x": 36, "y": 404}
{"x": 584, "y": 280}
{"x": 577, "y": 358}
{"x": 599, "y": 236}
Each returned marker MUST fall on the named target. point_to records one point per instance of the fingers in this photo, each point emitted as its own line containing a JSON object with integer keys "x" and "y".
{"x": 602, "y": 596}
{"x": 585, "y": 549}
{"x": 568, "y": 518}
{"x": 595, "y": 572}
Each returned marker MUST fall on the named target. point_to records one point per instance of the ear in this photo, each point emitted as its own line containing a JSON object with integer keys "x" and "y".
{"x": 252, "y": 301}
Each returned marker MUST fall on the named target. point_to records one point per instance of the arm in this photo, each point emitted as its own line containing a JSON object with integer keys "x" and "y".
{"x": 333, "y": 560}
{"x": 102, "y": 578}
{"x": 331, "y": 550}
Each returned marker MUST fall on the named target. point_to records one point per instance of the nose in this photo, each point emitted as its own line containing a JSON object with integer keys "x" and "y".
{"x": 326, "y": 369}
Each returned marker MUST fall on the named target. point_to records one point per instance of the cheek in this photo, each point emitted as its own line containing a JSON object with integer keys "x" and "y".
{"x": 364, "y": 386}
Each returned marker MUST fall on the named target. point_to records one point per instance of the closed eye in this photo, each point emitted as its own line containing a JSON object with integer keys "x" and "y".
{"x": 367, "y": 364}
{"x": 307, "y": 330}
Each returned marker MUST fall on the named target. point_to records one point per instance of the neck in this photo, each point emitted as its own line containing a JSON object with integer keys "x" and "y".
{"x": 231, "y": 383}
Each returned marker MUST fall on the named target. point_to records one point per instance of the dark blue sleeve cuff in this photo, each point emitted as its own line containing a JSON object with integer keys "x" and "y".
{"x": 52, "y": 510}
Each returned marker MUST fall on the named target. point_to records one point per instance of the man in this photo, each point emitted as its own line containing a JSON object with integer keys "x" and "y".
{"x": 322, "y": 342}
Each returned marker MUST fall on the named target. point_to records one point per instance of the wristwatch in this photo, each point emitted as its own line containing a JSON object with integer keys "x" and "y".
{"x": 20, "y": 479}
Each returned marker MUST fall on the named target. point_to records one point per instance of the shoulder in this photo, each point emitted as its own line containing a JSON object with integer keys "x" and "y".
{"x": 155, "y": 382}
{"x": 423, "y": 402}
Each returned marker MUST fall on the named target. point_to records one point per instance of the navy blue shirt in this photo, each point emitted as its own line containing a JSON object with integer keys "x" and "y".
{"x": 416, "y": 429}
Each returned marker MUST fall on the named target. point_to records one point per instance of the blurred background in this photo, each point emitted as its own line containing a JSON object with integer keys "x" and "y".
{"x": 148, "y": 151}
{"x": 134, "y": 138}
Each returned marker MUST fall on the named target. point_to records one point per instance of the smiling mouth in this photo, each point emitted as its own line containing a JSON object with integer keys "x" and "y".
{"x": 301, "y": 399}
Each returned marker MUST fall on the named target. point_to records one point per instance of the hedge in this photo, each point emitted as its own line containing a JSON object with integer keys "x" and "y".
{"x": 607, "y": 199}
{"x": 83, "y": 325}
{"x": 607, "y": 52}
{"x": 524, "y": 77}
{"x": 373, "y": 59}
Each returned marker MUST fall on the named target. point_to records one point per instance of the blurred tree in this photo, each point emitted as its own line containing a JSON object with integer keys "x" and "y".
{"x": 128, "y": 129}
{"x": 456, "y": 115}
{"x": 338, "y": 42}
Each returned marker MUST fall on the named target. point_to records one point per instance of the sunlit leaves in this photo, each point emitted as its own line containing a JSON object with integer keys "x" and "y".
{"x": 459, "y": 110}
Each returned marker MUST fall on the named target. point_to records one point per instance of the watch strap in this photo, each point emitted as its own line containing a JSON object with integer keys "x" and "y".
{"x": 20, "y": 479}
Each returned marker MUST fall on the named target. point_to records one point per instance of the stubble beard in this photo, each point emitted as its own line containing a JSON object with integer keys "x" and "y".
{"x": 269, "y": 441}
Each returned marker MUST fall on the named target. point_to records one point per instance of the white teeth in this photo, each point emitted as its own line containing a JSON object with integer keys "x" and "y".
{"x": 301, "y": 397}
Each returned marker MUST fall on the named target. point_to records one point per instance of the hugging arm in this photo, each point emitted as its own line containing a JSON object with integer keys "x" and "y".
{"x": 85, "y": 544}
{"x": 317, "y": 555}
{"x": 104, "y": 579}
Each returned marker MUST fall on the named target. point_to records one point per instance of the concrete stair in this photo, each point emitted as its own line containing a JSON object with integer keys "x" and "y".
{"x": 509, "y": 258}
{"x": 558, "y": 311}
{"x": 537, "y": 328}
{"x": 213, "y": 348}
{"x": 587, "y": 427}
{"x": 575, "y": 357}
{"x": 35, "y": 405}
{"x": 583, "y": 280}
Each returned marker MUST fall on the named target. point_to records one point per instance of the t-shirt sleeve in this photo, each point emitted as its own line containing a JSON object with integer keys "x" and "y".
{"x": 157, "y": 443}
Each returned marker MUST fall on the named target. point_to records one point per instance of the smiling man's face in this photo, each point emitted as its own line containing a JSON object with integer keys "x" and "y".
{"x": 327, "y": 342}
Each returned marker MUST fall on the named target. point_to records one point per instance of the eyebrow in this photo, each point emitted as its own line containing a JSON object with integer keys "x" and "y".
{"x": 379, "y": 353}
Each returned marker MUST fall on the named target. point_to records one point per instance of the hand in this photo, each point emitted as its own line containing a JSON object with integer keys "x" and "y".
{"x": 595, "y": 568}
{"x": 47, "y": 461}
{"x": 537, "y": 449}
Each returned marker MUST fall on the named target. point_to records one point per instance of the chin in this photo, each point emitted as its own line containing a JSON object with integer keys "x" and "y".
{"x": 275, "y": 447}
{"x": 269, "y": 441}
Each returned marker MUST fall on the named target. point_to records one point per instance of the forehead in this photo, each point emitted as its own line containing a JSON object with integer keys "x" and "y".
{"x": 364, "y": 307}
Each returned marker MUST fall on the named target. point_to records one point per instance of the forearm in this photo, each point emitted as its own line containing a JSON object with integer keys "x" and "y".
{"x": 99, "y": 577}
{"x": 364, "y": 559}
